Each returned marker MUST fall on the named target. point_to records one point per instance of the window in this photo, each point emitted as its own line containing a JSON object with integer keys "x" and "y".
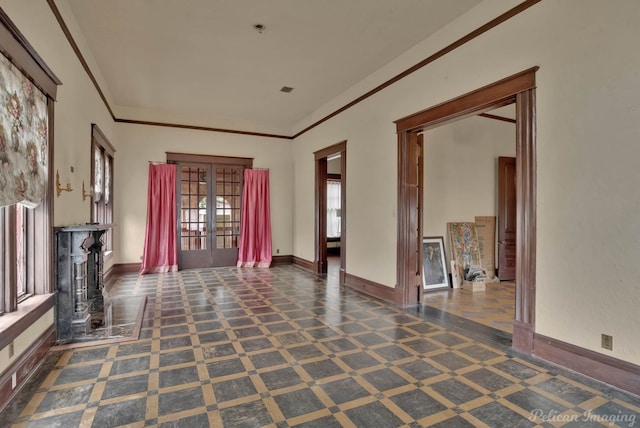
{"x": 27, "y": 92}
{"x": 23, "y": 249}
{"x": 102, "y": 172}
{"x": 333, "y": 208}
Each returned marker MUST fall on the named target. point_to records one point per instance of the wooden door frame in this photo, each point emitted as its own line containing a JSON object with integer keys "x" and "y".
{"x": 519, "y": 89}
{"x": 321, "y": 175}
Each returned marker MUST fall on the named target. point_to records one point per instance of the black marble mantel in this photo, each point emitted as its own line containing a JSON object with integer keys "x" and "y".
{"x": 79, "y": 277}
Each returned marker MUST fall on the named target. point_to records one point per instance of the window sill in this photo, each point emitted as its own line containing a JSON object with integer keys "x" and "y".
{"x": 13, "y": 324}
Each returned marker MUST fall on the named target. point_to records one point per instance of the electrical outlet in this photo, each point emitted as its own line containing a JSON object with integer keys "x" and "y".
{"x": 278, "y": 251}
{"x": 12, "y": 349}
{"x": 607, "y": 342}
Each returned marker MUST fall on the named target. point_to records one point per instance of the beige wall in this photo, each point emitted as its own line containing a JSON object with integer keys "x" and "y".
{"x": 25, "y": 340}
{"x": 588, "y": 194}
{"x": 141, "y": 144}
{"x": 460, "y": 171}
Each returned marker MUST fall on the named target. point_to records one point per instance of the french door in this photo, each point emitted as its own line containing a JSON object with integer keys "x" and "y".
{"x": 209, "y": 202}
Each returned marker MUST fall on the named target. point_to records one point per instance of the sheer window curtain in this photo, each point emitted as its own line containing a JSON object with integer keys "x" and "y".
{"x": 255, "y": 227}
{"x": 333, "y": 208}
{"x": 160, "y": 249}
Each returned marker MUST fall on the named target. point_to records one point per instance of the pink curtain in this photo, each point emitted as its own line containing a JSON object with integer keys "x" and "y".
{"x": 160, "y": 250}
{"x": 255, "y": 228}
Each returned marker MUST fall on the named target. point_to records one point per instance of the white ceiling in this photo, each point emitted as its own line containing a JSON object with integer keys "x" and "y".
{"x": 202, "y": 60}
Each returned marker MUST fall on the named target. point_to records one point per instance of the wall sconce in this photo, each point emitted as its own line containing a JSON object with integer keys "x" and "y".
{"x": 86, "y": 194}
{"x": 59, "y": 189}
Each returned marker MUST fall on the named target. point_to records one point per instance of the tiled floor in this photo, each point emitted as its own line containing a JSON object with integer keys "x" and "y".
{"x": 495, "y": 307}
{"x": 279, "y": 347}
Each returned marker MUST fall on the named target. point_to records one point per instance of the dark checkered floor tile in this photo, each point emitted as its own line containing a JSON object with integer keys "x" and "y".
{"x": 280, "y": 347}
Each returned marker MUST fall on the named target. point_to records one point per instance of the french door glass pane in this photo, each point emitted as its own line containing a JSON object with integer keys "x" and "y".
{"x": 193, "y": 215}
{"x": 228, "y": 196}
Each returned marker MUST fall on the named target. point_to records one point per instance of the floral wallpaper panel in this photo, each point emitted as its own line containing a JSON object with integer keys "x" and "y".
{"x": 24, "y": 161}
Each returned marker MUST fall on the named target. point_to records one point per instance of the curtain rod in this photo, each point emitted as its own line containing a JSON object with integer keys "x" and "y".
{"x": 156, "y": 162}
{"x": 261, "y": 169}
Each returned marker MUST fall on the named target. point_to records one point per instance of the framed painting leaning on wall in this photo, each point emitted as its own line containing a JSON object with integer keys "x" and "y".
{"x": 434, "y": 263}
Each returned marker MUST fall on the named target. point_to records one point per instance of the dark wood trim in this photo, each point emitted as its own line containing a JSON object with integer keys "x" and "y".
{"x": 496, "y": 117}
{"x": 320, "y": 198}
{"x": 281, "y": 260}
{"x": 102, "y": 140}
{"x": 343, "y": 216}
{"x": 526, "y": 216}
{"x": 370, "y": 288}
{"x": 442, "y": 52}
{"x": 121, "y": 268}
{"x": 76, "y": 50}
{"x": 420, "y": 217}
{"x": 25, "y": 366}
{"x": 15, "y": 46}
{"x": 320, "y": 253}
{"x": 218, "y": 160}
{"x": 605, "y": 368}
{"x": 334, "y": 176}
{"x": 331, "y": 150}
{"x": 11, "y": 255}
{"x": 407, "y": 245}
{"x": 202, "y": 128}
{"x": 50, "y": 262}
{"x": 109, "y": 278}
{"x": 522, "y": 336}
{"x": 521, "y": 89}
{"x": 304, "y": 264}
{"x": 33, "y": 314}
{"x": 499, "y": 93}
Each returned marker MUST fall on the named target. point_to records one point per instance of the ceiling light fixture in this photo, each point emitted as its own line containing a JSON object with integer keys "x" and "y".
{"x": 259, "y": 28}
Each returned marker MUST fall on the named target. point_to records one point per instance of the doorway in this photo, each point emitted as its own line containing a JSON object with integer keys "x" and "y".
{"x": 461, "y": 185}
{"x": 209, "y": 202}
{"x": 519, "y": 88}
{"x": 330, "y": 222}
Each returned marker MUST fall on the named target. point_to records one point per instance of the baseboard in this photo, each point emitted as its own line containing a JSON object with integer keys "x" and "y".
{"x": 281, "y": 260}
{"x": 25, "y": 366}
{"x": 305, "y": 264}
{"x": 613, "y": 371}
{"x": 120, "y": 268}
{"x": 370, "y": 288}
{"x": 109, "y": 278}
{"x": 522, "y": 337}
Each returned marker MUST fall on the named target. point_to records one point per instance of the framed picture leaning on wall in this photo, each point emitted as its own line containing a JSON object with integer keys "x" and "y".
{"x": 434, "y": 263}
